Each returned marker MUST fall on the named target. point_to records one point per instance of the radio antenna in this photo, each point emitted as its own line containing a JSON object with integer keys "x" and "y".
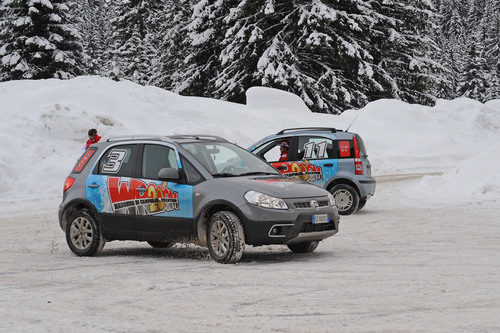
{"x": 352, "y": 122}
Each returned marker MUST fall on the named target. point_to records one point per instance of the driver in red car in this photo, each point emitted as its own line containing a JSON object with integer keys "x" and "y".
{"x": 284, "y": 151}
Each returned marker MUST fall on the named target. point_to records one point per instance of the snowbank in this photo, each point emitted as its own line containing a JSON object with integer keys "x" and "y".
{"x": 474, "y": 180}
{"x": 44, "y": 124}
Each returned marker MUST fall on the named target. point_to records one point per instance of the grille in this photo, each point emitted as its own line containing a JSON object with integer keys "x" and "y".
{"x": 307, "y": 204}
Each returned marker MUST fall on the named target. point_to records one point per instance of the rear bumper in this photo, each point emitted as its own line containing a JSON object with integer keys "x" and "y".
{"x": 367, "y": 186}
{"x": 296, "y": 227}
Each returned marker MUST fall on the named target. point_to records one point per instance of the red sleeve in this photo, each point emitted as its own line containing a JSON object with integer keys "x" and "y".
{"x": 88, "y": 144}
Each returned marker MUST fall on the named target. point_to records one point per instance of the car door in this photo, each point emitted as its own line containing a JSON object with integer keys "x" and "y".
{"x": 111, "y": 188}
{"x": 164, "y": 209}
{"x": 316, "y": 159}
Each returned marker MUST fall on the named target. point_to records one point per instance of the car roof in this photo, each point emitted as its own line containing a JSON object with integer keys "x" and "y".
{"x": 177, "y": 138}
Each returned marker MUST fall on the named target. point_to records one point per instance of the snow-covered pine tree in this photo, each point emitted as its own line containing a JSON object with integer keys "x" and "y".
{"x": 317, "y": 49}
{"x": 408, "y": 51}
{"x": 492, "y": 50}
{"x": 173, "y": 45}
{"x": 474, "y": 82}
{"x": 38, "y": 40}
{"x": 332, "y": 42}
{"x": 132, "y": 53}
{"x": 95, "y": 29}
{"x": 205, "y": 32}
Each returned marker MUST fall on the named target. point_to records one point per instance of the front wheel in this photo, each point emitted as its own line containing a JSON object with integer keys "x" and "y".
{"x": 83, "y": 235}
{"x": 225, "y": 237}
{"x": 346, "y": 198}
{"x": 305, "y": 247}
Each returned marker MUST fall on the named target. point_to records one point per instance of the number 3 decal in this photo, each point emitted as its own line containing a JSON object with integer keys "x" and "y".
{"x": 318, "y": 148}
{"x": 115, "y": 159}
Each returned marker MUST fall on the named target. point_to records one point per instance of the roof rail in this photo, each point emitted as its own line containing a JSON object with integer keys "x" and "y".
{"x": 330, "y": 129}
{"x": 134, "y": 137}
{"x": 196, "y": 137}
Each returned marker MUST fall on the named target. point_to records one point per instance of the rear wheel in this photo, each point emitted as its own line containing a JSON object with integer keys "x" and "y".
{"x": 305, "y": 247}
{"x": 346, "y": 198}
{"x": 225, "y": 237}
{"x": 83, "y": 234}
{"x": 160, "y": 245}
{"x": 362, "y": 203}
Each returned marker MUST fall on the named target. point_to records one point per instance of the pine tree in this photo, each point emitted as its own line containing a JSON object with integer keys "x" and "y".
{"x": 132, "y": 53}
{"x": 174, "y": 44}
{"x": 492, "y": 50}
{"x": 318, "y": 50}
{"x": 407, "y": 51}
{"x": 39, "y": 40}
{"x": 474, "y": 83}
{"x": 95, "y": 29}
{"x": 205, "y": 33}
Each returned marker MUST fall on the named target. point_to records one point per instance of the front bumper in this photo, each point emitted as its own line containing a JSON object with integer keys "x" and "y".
{"x": 295, "y": 225}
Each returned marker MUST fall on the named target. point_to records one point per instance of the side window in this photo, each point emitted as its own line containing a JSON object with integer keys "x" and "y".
{"x": 155, "y": 158}
{"x": 193, "y": 176}
{"x": 271, "y": 151}
{"x": 313, "y": 148}
{"x": 119, "y": 161}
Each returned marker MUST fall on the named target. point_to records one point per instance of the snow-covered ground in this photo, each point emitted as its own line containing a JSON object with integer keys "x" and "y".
{"x": 422, "y": 256}
{"x": 391, "y": 268}
{"x": 44, "y": 124}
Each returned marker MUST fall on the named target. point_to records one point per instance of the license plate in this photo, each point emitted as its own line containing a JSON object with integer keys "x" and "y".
{"x": 320, "y": 218}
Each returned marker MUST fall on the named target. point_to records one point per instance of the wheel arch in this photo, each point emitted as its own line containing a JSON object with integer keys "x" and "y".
{"x": 343, "y": 180}
{"x": 200, "y": 225}
{"x": 73, "y": 206}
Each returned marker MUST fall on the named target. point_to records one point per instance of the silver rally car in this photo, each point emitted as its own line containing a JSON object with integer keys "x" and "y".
{"x": 189, "y": 188}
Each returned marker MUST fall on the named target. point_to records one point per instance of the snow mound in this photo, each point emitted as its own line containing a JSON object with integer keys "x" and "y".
{"x": 474, "y": 180}
{"x": 45, "y": 123}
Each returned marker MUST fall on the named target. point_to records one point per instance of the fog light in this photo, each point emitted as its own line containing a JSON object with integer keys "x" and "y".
{"x": 276, "y": 231}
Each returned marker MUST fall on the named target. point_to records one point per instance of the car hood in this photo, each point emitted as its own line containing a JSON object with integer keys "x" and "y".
{"x": 277, "y": 186}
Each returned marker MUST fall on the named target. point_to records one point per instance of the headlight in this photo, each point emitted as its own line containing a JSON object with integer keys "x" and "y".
{"x": 264, "y": 200}
{"x": 332, "y": 200}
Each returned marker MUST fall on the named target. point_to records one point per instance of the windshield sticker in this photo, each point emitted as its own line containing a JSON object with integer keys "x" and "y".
{"x": 300, "y": 170}
{"x": 137, "y": 197}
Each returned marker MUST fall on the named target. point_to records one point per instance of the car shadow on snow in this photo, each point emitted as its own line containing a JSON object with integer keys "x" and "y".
{"x": 253, "y": 255}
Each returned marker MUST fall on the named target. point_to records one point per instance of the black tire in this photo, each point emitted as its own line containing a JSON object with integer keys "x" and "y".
{"x": 346, "y": 198}
{"x": 228, "y": 235}
{"x": 83, "y": 234}
{"x": 160, "y": 245}
{"x": 305, "y": 247}
{"x": 362, "y": 203}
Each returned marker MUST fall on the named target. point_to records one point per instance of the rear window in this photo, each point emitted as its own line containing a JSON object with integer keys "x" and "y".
{"x": 83, "y": 160}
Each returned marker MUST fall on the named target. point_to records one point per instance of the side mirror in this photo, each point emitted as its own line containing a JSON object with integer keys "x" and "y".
{"x": 169, "y": 174}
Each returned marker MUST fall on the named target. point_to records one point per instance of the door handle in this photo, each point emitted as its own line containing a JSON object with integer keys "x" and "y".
{"x": 328, "y": 165}
{"x": 93, "y": 185}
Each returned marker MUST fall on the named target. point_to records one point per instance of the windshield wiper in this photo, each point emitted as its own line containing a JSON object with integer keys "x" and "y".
{"x": 224, "y": 174}
{"x": 255, "y": 173}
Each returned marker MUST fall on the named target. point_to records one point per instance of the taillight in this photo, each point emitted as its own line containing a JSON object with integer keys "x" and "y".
{"x": 68, "y": 183}
{"x": 358, "y": 166}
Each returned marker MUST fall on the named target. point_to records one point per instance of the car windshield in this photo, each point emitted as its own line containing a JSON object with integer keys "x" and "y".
{"x": 223, "y": 159}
